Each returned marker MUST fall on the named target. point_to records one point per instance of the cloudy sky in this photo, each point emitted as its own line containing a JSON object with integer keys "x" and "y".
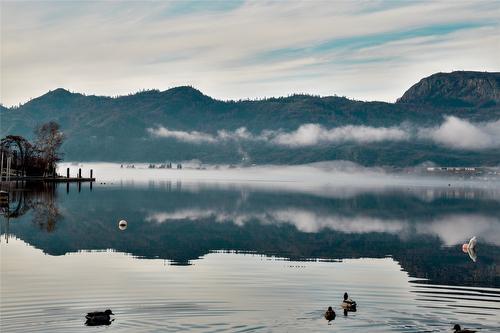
{"x": 367, "y": 50}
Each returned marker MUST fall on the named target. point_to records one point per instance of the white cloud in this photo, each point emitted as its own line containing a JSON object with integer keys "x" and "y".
{"x": 314, "y": 134}
{"x": 199, "y": 137}
{"x": 240, "y": 134}
{"x": 305, "y": 135}
{"x": 461, "y": 134}
{"x": 191, "y": 137}
{"x": 453, "y": 133}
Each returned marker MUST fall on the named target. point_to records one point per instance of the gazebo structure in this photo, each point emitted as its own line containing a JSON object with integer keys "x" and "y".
{"x": 13, "y": 149}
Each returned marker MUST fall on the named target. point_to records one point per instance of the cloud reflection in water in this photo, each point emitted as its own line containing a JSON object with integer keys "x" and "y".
{"x": 451, "y": 229}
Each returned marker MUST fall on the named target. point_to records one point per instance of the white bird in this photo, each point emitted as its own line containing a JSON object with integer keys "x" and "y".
{"x": 470, "y": 248}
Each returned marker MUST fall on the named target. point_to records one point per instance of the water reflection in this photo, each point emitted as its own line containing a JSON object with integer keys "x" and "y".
{"x": 93, "y": 322}
{"x": 37, "y": 200}
{"x": 182, "y": 223}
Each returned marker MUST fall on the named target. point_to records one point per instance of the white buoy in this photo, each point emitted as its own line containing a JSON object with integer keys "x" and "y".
{"x": 122, "y": 225}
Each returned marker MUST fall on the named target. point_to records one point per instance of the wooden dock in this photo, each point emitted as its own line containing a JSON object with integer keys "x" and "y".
{"x": 57, "y": 179}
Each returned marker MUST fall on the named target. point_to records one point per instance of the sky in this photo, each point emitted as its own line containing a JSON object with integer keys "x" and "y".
{"x": 365, "y": 50}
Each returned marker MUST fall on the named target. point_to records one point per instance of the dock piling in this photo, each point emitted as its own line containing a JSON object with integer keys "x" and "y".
{"x": 67, "y": 172}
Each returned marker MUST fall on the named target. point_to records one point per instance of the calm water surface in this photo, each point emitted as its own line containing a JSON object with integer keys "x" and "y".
{"x": 260, "y": 250}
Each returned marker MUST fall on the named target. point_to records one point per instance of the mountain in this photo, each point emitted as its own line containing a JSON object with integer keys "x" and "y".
{"x": 472, "y": 89}
{"x": 196, "y": 126}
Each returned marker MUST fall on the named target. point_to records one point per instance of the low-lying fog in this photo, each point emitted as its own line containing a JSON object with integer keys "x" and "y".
{"x": 321, "y": 174}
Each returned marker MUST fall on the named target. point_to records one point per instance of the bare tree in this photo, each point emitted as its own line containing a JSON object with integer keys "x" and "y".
{"x": 48, "y": 140}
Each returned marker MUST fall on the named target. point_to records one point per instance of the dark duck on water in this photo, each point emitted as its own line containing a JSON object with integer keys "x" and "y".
{"x": 99, "y": 318}
{"x": 330, "y": 314}
{"x": 348, "y": 304}
{"x": 458, "y": 329}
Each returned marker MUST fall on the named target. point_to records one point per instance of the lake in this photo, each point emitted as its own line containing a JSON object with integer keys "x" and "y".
{"x": 252, "y": 249}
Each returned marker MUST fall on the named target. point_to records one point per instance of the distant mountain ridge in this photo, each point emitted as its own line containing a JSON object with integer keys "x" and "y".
{"x": 480, "y": 89}
{"x": 100, "y": 128}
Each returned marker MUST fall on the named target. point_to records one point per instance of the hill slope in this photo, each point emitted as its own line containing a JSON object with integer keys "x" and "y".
{"x": 182, "y": 124}
{"x": 477, "y": 89}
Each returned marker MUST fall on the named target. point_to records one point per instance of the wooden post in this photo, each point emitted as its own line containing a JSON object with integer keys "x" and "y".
{"x": 67, "y": 172}
{"x": 91, "y": 173}
{"x": 80, "y": 173}
{"x": 4, "y": 199}
{"x": 9, "y": 161}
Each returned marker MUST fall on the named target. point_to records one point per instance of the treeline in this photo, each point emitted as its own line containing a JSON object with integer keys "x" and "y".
{"x": 37, "y": 158}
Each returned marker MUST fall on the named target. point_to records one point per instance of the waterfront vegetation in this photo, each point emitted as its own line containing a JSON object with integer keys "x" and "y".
{"x": 36, "y": 158}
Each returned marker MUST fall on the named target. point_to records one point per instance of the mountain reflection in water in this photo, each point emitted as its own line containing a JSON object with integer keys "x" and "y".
{"x": 421, "y": 229}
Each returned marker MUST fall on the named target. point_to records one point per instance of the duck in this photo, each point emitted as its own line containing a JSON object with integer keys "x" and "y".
{"x": 99, "y": 318}
{"x": 348, "y": 303}
{"x": 330, "y": 314}
{"x": 100, "y": 314}
{"x": 458, "y": 329}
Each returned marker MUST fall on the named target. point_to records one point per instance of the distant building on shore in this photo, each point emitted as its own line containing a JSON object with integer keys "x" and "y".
{"x": 456, "y": 170}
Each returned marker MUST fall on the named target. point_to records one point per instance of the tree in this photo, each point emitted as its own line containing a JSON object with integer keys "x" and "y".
{"x": 48, "y": 140}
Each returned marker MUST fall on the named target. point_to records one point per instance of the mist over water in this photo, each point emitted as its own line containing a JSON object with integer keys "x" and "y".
{"x": 259, "y": 248}
{"x": 329, "y": 175}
